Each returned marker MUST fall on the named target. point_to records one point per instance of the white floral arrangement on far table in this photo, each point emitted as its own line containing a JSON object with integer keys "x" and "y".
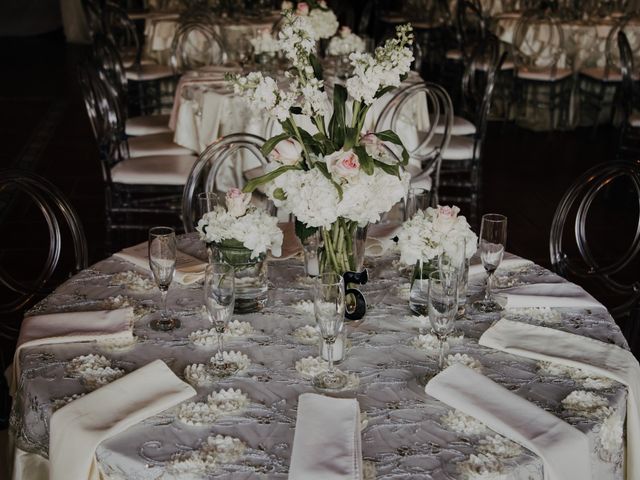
{"x": 241, "y": 223}
{"x": 264, "y": 42}
{"x": 434, "y": 231}
{"x": 344, "y": 43}
{"x": 321, "y": 18}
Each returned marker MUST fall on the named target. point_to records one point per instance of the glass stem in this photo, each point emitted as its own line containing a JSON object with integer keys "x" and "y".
{"x": 441, "y": 355}
{"x": 163, "y": 298}
{"x": 487, "y": 293}
{"x": 330, "y": 355}
{"x": 219, "y": 356}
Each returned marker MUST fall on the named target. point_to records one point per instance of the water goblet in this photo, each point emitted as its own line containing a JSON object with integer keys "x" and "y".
{"x": 329, "y": 307}
{"x": 492, "y": 241}
{"x": 443, "y": 306}
{"x": 219, "y": 298}
{"x": 162, "y": 262}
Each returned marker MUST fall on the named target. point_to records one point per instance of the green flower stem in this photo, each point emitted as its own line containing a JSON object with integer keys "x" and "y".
{"x": 329, "y": 250}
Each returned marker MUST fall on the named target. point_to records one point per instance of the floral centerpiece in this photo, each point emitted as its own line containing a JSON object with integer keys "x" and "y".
{"x": 321, "y": 18}
{"x": 345, "y": 42}
{"x": 264, "y": 42}
{"x": 433, "y": 231}
{"x": 241, "y": 235}
{"x": 338, "y": 178}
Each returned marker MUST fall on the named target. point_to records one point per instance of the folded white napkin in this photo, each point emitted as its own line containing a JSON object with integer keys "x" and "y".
{"x": 380, "y": 238}
{"x": 564, "y": 450}
{"x": 554, "y": 295}
{"x": 327, "y": 444}
{"x": 604, "y": 359}
{"x": 80, "y": 426}
{"x": 72, "y": 327}
{"x": 188, "y": 269}
{"x": 509, "y": 262}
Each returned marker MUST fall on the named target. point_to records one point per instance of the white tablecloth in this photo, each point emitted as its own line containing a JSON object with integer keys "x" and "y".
{"x": 405, "y": 433}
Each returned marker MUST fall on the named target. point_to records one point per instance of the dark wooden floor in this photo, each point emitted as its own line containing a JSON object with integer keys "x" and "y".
{"x": 44, "y": 128}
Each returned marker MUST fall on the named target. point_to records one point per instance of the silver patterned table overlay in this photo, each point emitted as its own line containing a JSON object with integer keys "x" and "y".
{"x": 405, "y": 434}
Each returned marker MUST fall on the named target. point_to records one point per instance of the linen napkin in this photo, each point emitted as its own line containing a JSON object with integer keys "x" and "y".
{"x": 188, "y": 269}
{"x": 80, "y": 426}
{"x": 604, "y": 359}
{"x": 71, "y": 327}
{"x": 509, "y": 262}
{"x": 554, "y": 295}
{"x": 380, "y": 238}
{"x": 327, "y": 444}
{"x": 564, "y": 450}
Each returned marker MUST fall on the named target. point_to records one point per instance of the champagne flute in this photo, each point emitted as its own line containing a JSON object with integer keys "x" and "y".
{"x": 162, "y": 262}
{"x": 492, "y": 241}
{"x": 443, "y": 305}
{"x": 416, "y": 199}
{"x": 453, "y": 259}
{"x": 219, "y": 298}
{"x": 329, "y": 306}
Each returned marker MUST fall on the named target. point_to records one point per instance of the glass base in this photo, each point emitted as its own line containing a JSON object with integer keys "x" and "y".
{"x": 222, "y": 369}
{"x": 164, "y": 324}
{"x": 487, "y": 306}
{"x": 330, "y": 381}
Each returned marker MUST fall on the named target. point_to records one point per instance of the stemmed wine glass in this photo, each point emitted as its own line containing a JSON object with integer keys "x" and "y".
{"x": 219, "y": 297}
{"x": 328, "y": 303}
{"x": 453, "y": 260}
{"x": 416, "y": 199}
{"x": 492, "y": 241}
{"x": 443, "y": 306}
{"x": 162, "y": 262}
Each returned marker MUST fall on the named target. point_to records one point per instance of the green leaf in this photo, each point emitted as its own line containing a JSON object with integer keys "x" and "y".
{"x": 351, "y": 137}
{"x": 390, "y": 169}
{"x": 317, "y": 67}
{"x": 303, "y": 232}
{"x": 392, "y": 137}
{"x": 337, "y": 123}
{"x": 288, "y": 127}
{"x": 382, "y": 91}
{"x": 256, "y": 182}
{"x": 279, "y": 194}
{"x": 270, "y": 144}
{"x": 366, "y": 162}
{"x": 325, "y": 171}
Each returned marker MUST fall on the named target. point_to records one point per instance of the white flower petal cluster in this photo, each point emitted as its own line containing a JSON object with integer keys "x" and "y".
{"x": 429, "y": 233}
{"x": 462, "y": 423}
{"x": 93, "y": 370}
{"x": 587, "y": 404}
{"x": 344, "y": 45}
{"x": 611, "y": 437}
{"x": 482, "y": 467}
{"x": 324, "y": 22}
{"x": 256, "y": 230}
{"x": 264, "y": 42}
{"x": 297, "y": 40}
{"x": 584, "y": 377}
{"x": 384, "y": 69}
{"x": 500, "y": 447}
{"x": 196, "y": 463}
{"x": 464, "y": 359}
{"x": 263, "y": 93}
{"x": 314, "y": 100}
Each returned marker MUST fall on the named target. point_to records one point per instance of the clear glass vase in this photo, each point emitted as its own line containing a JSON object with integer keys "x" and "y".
{"x": 251, "y": 275}
{"x": 419, "y": 294}
{"x": 343, "y": 247}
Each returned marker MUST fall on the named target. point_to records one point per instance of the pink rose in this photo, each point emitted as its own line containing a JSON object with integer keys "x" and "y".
{"x": 447, "y": 213}
{"x": 445, "y": 218}
{"x": 302, "y": 9}
{"x": 373, "y": 145}
{"x": 237, "y": 202}
{"x": 344, "y": 31}
{"x": 287, "y": 152}
{"x": 343, "y": 164}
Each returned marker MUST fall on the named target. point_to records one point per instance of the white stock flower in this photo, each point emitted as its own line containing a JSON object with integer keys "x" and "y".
{"x": 297, "y": 40}
{"x": 263, "y": 94}
{"x": 287, "y": 152}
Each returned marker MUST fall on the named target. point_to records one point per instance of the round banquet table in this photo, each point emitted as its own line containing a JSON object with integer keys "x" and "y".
{"x": 404, "y": 435}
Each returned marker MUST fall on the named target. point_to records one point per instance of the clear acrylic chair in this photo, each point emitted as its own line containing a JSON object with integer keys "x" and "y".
{"x": 230, "y": 162}
{"x": 595, "y": 238}
{"x": 196, "y": 45}
{"x": 629, "y": 140}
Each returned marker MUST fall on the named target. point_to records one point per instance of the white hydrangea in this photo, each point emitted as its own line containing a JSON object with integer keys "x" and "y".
{"x": 323, "y": 22}
{"x": 344, "y": 44}
{"x": 427, "y": 234}
{"x": 256, "y": 230}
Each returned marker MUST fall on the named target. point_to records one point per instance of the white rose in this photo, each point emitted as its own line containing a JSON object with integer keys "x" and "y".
{"x": 287, "y": 152}
{"x": 237, "y": 202}
{"x": 343, "y": 164}
{"x": 373, "y": 145}
{"x": 445, "y": 218}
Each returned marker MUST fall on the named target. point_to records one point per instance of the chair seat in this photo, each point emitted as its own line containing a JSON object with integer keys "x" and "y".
{"x": 461, "y": 126}
{"x": 544, "y": 75}
{"x": 460, "y": 148}
{"x": 634, "y": 120}
{"x": 484, "y": 66}
{"x": 154, "y": 170}
{"x": 599, "y": 74}
{"x": 453, "y": 54}
{"x": 149, "y": 72}
{"x": 147, "y": 125}
{"x": 157, "y": 144}
{"x": 129, "y": 58}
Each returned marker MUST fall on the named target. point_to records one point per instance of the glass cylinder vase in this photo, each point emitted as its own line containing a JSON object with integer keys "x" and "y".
{"x": 343, "y": 247}
{"x": 251, "y": 279}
